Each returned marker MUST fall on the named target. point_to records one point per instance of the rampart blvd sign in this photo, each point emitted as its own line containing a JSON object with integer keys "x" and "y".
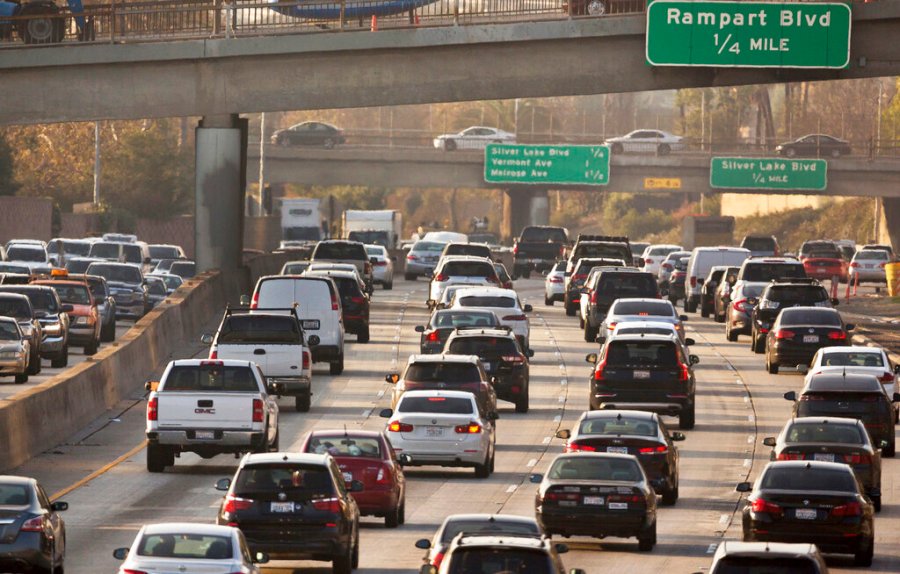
{"x": 768, "y": 173}
{"x": 748, "y": 34}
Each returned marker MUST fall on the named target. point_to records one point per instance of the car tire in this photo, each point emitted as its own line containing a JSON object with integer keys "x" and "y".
{"x": 483, "y": 470}
{"x": 547, "y": 301}
{"x": 91, "y": 349}
{"x": 301, "y": 403}
{"x": 522, "y": 402}
{"x": 790, "y": 152}
{"x": 617, "y": 148}
{"x": 354, "y": 557}
{"x": 389, "y": 285}
{"x": 647, "y": 538}
{"x": 328, "y": 143}
{"x": 687, "y": 417}
{"x": 876, "y": 502}
{"x": 337, "y": 367}
{"x": 392, "y": 518}
{"x": 402, "y": 512}
{"x": 730, "y": 335}
{"x": 664, "y": 149}
{"x": 159, "y": 457}
{"x": 865, "y": 553}
{"x": 704, "y": 310}
{"x": 771, "y": 368}
{"x": 570, "y": 308}
{"x": 363, "y": 335}
{"x": 22, "y": 379}
{"x": 34, "y": 364}
{"x": 47, "y": 30}
{"x": 890, "y": 451}
{"x": 670, "y": 496}
{"x": 717, "y": 317}
{"x": 758, "y": 345}
{"x": 409, "y": 276}
{"x": 449, "y": 145}
{"x": 108, "y": 332}
{"x": 590, "y": 333}
{"x": 343, "y": 563}
{"x": 62, "y": 361}
{"x": 526, "y": 274}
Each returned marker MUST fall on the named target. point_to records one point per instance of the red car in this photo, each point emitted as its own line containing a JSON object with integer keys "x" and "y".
{"x": 366, "y": 456}
{"x": 825, "y": 265}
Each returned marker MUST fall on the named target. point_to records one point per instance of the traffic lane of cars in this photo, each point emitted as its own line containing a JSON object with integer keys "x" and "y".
{"x": 8, "y": 389}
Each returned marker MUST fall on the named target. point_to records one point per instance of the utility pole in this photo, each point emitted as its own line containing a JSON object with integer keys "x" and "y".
{"x": 262, "y": 162}
{"x": 96, "y": 165}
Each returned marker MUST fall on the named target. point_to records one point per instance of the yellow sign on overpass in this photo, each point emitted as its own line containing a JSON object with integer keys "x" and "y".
{"x": 662, "y": 183}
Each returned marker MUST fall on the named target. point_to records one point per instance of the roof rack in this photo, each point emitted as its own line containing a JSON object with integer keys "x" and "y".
{"x": 243, "y": 309}
{"x": 588, "y": 237}
{"x": 482, "y": 328}
{"x": 803, "y": 280}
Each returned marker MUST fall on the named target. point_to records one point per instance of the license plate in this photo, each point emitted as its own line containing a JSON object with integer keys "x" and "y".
{"x": 434, "y": 431}
{"x": 868, "y": 266}
{"x": 310, "y": 324}
{"x": 487, "y": 366}
{"x": 594, "y": 500}
{"x": 204, "y": 435}
{"x": 348, "y": 477}
{"x": 824, "y": 456}
{"x": 617, "y": 449}
{"x": 642, "y": 374}
{"x": 806, "y": 513}
{"x": 282, "y": 506}
{"x": 810, "y": 338}
{"x": 618, "y": 506}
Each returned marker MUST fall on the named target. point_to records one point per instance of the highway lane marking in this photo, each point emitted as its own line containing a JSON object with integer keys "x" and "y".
{"x": 366, "y": 413}
{"x": 747, "y": 462}
{"x": 511, "y": 488}
{"x": 712, "y": 548}
{"x": 99, "y": 472}
{"x": 751, "y": 438}
{"x": 564, "y": 382}
{"x": 531, "y": 463}
{"x": 750, "y": 418}
{"x": 380, "y": 393}
{"x": 557, "y": 418}
{"x": 547, "y": 440}
{"x": 562, "y": 398}
{"x": 723, "y": 520}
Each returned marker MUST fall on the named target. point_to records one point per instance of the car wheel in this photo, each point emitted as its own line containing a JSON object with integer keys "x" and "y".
{"x": 590, "y": 333}
{"x": 719, "y": 317}
{"x": 301, "y": 403}
{"x": 22, "y": 379}
{"x": 61, "y": 361}
{"x": 617, "y": 148}
{"x": 354, "y": 558}
{"x": 670, "y": 496}
{"x": 771, "y": 367}
{"x": 91, "y": 349}
{"x": 890, "y": 450}
{"x": 47, "y": 30}
{"x": 548, "y": 301}
{"x": 759, "y": 345}
{"x": 392, "y": 518}
{"x": 526, "y": 274}
{"x": 704, "y": 310}
{"x": 835, "y": 153}
{"x": 686, "y": 418}
{"x": 483, "y": 470}
{"x": 730, "y": 335}
{"x": 402, "y": 512}
{"x": 389, "y": 285}
{"x": 337, "y": 367}
{"x": 647, "y": 538}
{"x": 328, "y": 143}
{"x": 159, "y": 457}
{"x": 790, "y": 152}
{"x": 580, "y": 322}
{"x": 570, "y": 308}
{"x": 363, "y": 335}
{"x": 863, "y": 556}
{"x": 449, "y": 145}
{"x": 876, "y": 502}
{"x": 663, "y": 149}
{"x": 409, "y": 276}
{"x": 343, "y": 563}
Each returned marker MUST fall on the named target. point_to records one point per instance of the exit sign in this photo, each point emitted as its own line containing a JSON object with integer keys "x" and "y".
{"x": 748, "y": 34}
{"x": 540, "y": 164}
{"x": 768, "y": 173}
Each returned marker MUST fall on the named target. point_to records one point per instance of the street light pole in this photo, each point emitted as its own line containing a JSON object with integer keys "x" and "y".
{"x": 96, "y": 165}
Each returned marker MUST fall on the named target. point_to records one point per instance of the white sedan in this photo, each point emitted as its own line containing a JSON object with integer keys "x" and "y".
{"x": 503, "y": 302}
{"x": 189, "y": 547}
{"x": 656, "y": 141}
{"x": 857, "y": 360}
{"x": 382, "y": 267}
{"x": 475, "y": 137}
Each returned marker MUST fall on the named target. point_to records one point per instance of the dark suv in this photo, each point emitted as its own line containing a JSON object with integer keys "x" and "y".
{"x": 780, "y": 295}
{"x": 354, "y": 302}
{"x": 576, "y": 280}
{"x": 502, "y": 358}
{"x": 445, "y": 321}
{"x": 605, "y": 246}
{"x": 611, "y": 284}
{"x": 645, "y": 372}
{"x": 445, "y": 372}
{"x": 765, "y": 269}
{"x": 340, "y": 251}
{"x": 294, "y": 507}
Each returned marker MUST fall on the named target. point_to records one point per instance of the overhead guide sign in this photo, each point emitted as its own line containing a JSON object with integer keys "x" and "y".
{"x": 748, "y": 34}
{"x": 768, "y": 173}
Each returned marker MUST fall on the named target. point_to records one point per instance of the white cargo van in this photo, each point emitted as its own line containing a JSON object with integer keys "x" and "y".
{"x": 701, "y": 261}
{"x": 318, "y": 308}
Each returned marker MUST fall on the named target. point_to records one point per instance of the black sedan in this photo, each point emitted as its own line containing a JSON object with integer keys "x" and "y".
{"x": 814, "y": 145}
{"x": 639, "y": 433}
{"x": 309, "y": 133}
{"x": 32, "y": 534}
{"x": 832, "y": 439}
{"x": 801, "y": 331}
{"x": 445, "y": 321}
{"x": 599, "y": 495}
{"x": 818, "y": 503}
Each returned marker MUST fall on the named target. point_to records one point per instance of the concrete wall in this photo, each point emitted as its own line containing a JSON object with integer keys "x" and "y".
{"x": 77, "y": 225}
{"x": 743, "y": 205}
{"x": 50, "y": 412}
{"x": 25, "y": 218}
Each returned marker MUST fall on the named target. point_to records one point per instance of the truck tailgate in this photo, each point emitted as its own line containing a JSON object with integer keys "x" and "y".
{"x": 274, "y": 360}
{"x": 179, "y": 409}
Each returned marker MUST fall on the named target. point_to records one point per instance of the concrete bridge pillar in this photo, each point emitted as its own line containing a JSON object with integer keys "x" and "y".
{"x": 522, "y": 208}
{"x": 890, "y": 209}
{"x": 221, "y": 175}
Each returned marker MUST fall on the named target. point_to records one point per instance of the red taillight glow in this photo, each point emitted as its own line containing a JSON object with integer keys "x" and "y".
{"x": 381, "y": 263}
{"x": 327, "y": 505}
{"x": 837, "y": 335}
{"x": 684, "y": 375}
{"x": 886, "y": 378}
{"x": 849, "y": 509}
{"x": 667, "y": 266}
{"x": 761, "y": 506}
{"x": 594, "y": 297}
{"x": 741, "y": 306}
{"x": 790, "y": 456}
{"x": 384, "y": 476}
{"x": 515, "y": 359}
{"x": 575, "y": 447}
{"x": 653, "y": 449}
{"x": 334, "y": 301}
{"x": 255, "y": 302}
{"x": 35, "y": 524}
{"x": 693, "y": 281}
{"x": 579, "y": 277}
{"x": 784, "y": 334}
{"x": 305, "y": 360}
{"x": 233, "y": 504}
{"x": 397, "y": 426}
{"x": 153, "y": 409}
{"x": 857, "y": 458}
{"x": 433, "y": 337}
{"x": 129, "y": 571}
{"x": 441, "y": 277}
{"x": 411, "y": 257}
{"x": 358, "y": 300}
{"x": 438, "y": 558}
{"x": 648, "y": 261}
{"x": 515, "y": 318}
{"x": 556, "y": 279}
{"x": 557, "y": 496}
{"x": 471, "y": 428}
{"x": 213, "y": 354}
{"x": 258, "y": 411}
{"x": 854, "y": 264}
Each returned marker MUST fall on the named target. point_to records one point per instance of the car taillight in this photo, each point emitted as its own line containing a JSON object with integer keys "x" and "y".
{"x": 233, "y": 504}
{"x": 579, "y": 277}
{"x": 854, "y": 264}
{"x": 381, "y": 263}
{"x": 441, "y": 277}
{"x": 790, "y": 456}
{"x": 653, "y": 449}
{"x": 358, "y": 300}
{"x": 598, "y": 370}
{"x": 575, "y": 447}
{"x": 557, "y": 496}
{"x": 886, "y": 378}
{"x": 515, "y": 359}
{"x": 384, "y": 476}
{"x": 515, "y": 249}
{"x": 784, "y": 334}
{"x": 153, "y": 409}
{"x": 761, "y": 506}
{"x": 837, "y": 335}
{"x": 556, "y": 279}
{"x": 411, "y": 257}
{"x": 648, "y": 262}
{"x": 857, "y": 459}
{"x": 327, "y": 505}
{"x": 129, "y": 571}
{"x": 305, "y": 360}
{"x": 35, "y": 524}
{"x": 612, "y": 326}
{"x": 334, "y": 301}
{"x": 684, "y": 374}
{"x": 741, "y": 306}
{"x": 849, "y": 509}
{"x": 667, "y": 266}
{"x": 433, "y": 337}
{"x": 594, "y": 297}
{"x": 213, "y": 354}
{"x": 471, "y": 428}
{"x": 255, "y": 302}
{"x": 812, "y": 398}
{"x": 397, "y": 426}
{"x": 515, "y": 318}
{"x": 438, "y": 558}
{"x": 632, "y": 498}
{"x": 258, "y": 410}
{"x": 882, "y": 264}
{"x": 693, "y": 281}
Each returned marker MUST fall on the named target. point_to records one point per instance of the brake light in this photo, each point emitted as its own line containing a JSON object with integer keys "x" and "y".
{"x": 258, "y": 410}
{"x": 411, "y": 257}
{"x": 653, "y": 449}
{"x": 327, "y": 505}
{"x": 625, "y": 498}
{"x": 305, "y": 360}
{"x": 334, "y": 300}
{"x": 857, "y": 459}
{"x": 575, "y": 447}
{"x": 397, "y": 426}
{"x": 384, "y": 476}
{"x": 887, "y": 378}
{"x": 598, "y": 370}
{"x": 837, "y": 335}
{"x": 612, "y": 326}
{"x": 515, "y": 359}
{"x": 471, "y": 428}
{"x": 684, "y": 375}
{"x": 129, "y": 571}
{"x": 557, "y": 496}
{"x": 849, "y": 509}
{"x": 233, "y": 504}
{"x": 439, "y": 557}
{"x": 761, "y": 506}
{"x": 381, "y": 263}
{"x": 594, "y": 297}
{"x": 693, "y": 281}
{"x": 358, "y": 300}
{"x": 648, "y": 261}
{"x": 854, "y": 264}
{"x": 153, "y": 409}
{"x": 35, "y": 524}
{"x": 516, "y": 249}
{"x": 741, "y": 306}
{"x": 784, "y": 334}
{"x": 255, "y": 302}
{"x": 433, "y": 337}
{"x": 515, "y": 318}
{"x": 556, "y": 279}
{"x": 441, "y": 277}
{"x": 667, "y": 266}
{"x": 791, "y": 456}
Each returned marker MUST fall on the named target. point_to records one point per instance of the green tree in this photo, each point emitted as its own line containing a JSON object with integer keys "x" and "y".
{"x": 8, "y": 185}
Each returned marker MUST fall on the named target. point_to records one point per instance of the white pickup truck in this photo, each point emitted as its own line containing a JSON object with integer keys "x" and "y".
{"x": 275, "y": 342}
{"x": 209, "y": 408}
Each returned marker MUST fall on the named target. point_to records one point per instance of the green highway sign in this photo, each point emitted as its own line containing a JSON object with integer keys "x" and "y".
{"x": 768, "y": 173}
{"x": 748, "y": 34}
{"x": 540, "y": 164}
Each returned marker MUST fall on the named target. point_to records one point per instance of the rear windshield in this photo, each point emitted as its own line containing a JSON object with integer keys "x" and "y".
{"x": 468, "y": 249}
{"x": 624, "y": 425}
{"x": 348, "y": 288}
{"x": 644, "y": 330}
{"x": 378, "y": 237}
{"x": 825, "y": 254}
{"x": 16, "y": 308}
{"x": 759, "y": 271}
{"x": 431, "y": 246}
{"x": 463, "y": 319}
{"x": 773, "y": 565}
{"x": 164, "y": 252}
{"x": 302, "y": 233}
{"x": 341, "y": 445}
{"x": 595, "y": 468}
{"x": 294, "y": 268}
{"x": 652, "y": 308}
{"x": 435, "y": 372}
{"x": 748, "y": 290}
{"x": 14, "y": 495}
{"x": 468, "y": 269}
{"x": 353, "y": 251}
{"x": 105, "y": 250}
{"x": 23, "y": 253}
{"x": 9, "y": 331}
{"x": 627, "y": 284}
{"x": 758, "y": 243}
{"x": 78, "y": 265}
{"x": 497, "y": 559}
{"x": 156, "y": 287}
{"x": 612, "y": 250}
{"x": 15, "y": 268}
{"x": 211, "y": 378}
{"x": 119, "y": 273}
{"x": 186, "y": 546}
{"x": 435, "y": 405}
{"x": 73, "y": 294}
{"x": 840, "y": 404}
{"x": 867, "y": 254}
{"x": 483, "y": 346}
{"x": 798, "y": 294}
{"x": 852, "y": 359}
{"x": 185, "y": 269}
{"x": 839, "y": 433}
{"x": 662, "y": 250}
{"x": 487, "y": 301}
{"x": 260, "y": 329}
{"x": 813, "y": 245}
{"x": 543, "y": 235}
{"x": 824, "y": 317}
{"x": 284, "y": 481}
{"x": 79, "y": 248}
{"x": 637, "y": 353}
{"x": 806, "y": 479}
{"x": 487, "y": 528}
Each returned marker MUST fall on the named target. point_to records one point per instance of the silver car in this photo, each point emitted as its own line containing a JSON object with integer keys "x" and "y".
{"x": 654, "y": 255}
{"x": 867, "y": 266}
{"x": 656, "y": 141}
{"x": 475, "y": 137}
{"x": 382, "y": 266}
{"x": 189, "y": 548}
{"x": 14, "y": 350}
{"x": 422, "y": 258}
{"x": 555, "y": 283}
{"x": 642, "y": 309}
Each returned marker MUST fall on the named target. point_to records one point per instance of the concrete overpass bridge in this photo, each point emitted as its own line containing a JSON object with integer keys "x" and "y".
{"x": 219, "y": 77}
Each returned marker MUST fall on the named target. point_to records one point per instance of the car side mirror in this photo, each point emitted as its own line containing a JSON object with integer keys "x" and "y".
{"x": 850, "y": 327}
{"x": 206, "y": 339}
{"x": 420, "y": 328}
{"x": 678, "y": 436}
{"x": 528, "y": 308}
{"x": 694, "y": 359}
{"x": 577, "y": 571}
{"x": 897, "y": 369}
{"x": 769, "y": 441}
{"x": 404, "y": 459}
{"x": 591, "y": 358}
{"x": 743, "y": 487}
{"x": 392, "y": 378}
{"x": 313, "y": 340}
{"x": 495, "y": 381}
{"x": 688, "y": 342}
{"x": 563, "y": 434}
{"x": 260, "y": 558}
{"x": 67, "y": 308}
{"x": 356, "y": 486}
{"x": 561, "y": 548}
{"x": 790, "y": 396}
{"x": 683, "y": 318}
{"x": 120, "y": 553}
{"x": 245, "y": 300}
{"x": 835, "y": 301}
{"x": 535, "y": 478}
{"x": 59, "y": 506}
{"x": 223, "y": 484}
{"x": 431, "y": 303}
{"x": 423, "y": 544}
{"x": 386, "y": 414}
{"x": 151, "y": 385}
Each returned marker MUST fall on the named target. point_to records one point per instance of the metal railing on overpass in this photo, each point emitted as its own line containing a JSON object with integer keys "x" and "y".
{"x": 125, "y": 21}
